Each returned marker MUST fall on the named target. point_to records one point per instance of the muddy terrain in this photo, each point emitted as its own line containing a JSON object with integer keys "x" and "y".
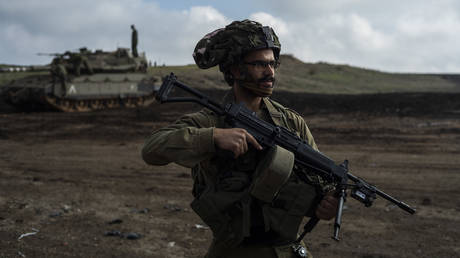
{"x": 74, "y": 184}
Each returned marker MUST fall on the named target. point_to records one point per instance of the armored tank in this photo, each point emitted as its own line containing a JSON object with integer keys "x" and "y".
{"x": 86, "y": 80}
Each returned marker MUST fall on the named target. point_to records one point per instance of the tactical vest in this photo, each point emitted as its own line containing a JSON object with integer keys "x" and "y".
{"x": 225, "y": 204}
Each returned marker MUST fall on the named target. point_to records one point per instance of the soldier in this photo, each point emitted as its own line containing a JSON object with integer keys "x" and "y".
{"x": 84, "y": 51}
{"x": 59, "y": 73}
{"x": 134, "y": 41}
{"x": 243, "y": 226}
{"x": 77, "y": 60}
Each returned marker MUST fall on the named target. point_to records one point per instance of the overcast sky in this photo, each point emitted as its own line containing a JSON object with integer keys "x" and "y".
{"x": 420, "y": 36}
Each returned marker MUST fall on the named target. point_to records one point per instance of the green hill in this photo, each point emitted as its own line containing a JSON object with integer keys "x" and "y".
{"x": 297, "y": 76}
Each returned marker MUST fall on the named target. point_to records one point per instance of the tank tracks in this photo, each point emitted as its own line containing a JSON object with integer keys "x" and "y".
{"x": 87, "y": 105}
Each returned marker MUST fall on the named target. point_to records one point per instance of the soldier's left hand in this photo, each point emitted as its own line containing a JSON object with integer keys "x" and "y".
{"x": 327, "y": 208}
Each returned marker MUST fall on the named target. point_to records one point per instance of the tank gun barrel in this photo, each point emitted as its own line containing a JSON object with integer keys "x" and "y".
{"x": 50, "y": 54}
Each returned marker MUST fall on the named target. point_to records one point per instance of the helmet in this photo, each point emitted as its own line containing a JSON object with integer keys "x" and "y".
{"x": 227, "y": 46}
{"x": 272, "y": 173}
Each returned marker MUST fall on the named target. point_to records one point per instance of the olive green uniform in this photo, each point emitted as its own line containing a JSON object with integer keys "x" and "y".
{"x": 247, "y": 225}
{"x": 78, "y": 60}
{"x": 134, "y": 39}
{"x": 59, "y": 73}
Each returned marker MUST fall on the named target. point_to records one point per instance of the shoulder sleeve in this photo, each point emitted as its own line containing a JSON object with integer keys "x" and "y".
{"x": 186, "y": 142}
{"x": 298, "y": 123}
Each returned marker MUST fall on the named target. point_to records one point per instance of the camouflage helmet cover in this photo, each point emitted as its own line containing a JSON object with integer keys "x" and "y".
{"x": 226, "y": 46}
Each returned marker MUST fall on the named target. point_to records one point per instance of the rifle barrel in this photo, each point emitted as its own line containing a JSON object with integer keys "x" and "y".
{"x": 384, "y": 195}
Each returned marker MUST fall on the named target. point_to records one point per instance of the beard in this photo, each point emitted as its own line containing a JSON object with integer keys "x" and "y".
{"x": 255, "y": 85}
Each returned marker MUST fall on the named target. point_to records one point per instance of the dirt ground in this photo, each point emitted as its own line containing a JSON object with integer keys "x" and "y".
{"x": 69, "y": 179}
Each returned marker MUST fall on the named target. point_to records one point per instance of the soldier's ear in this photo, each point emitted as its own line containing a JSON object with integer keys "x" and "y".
{"x": 235, "y": 71}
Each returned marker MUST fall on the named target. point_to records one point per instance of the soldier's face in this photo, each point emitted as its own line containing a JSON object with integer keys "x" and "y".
{"x": 260, "y": 67}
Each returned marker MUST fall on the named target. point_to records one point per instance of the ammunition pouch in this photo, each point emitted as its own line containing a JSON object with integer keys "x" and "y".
{"x": 285, "y": 198}
{"x": 225, "y": 208}
{"x": 286, "y": 212}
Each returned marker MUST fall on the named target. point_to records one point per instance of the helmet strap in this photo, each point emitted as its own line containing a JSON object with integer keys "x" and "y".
{"x": 254, "y": 88}
{"x": 269, "y": 39}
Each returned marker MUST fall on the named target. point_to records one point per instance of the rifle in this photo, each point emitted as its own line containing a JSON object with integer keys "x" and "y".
{"x": 306, "y": 157}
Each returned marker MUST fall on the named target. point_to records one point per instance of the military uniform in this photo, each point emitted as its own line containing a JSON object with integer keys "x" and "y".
{"x": 242, "y": 225}
{"x": 134, "y": 39}
{"x": 59, "y": 73}
{"x": 251, "y": 211}
{"x": 78, "y": 60}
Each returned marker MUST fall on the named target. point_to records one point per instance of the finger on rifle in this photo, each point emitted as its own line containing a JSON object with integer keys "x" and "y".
{"x": 253, "y": 141}
{"x": 239, "y": 150}
{"x": 244, "y": 144}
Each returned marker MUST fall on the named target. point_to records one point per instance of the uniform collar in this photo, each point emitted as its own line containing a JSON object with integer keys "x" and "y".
{"x": 276, "y": 116}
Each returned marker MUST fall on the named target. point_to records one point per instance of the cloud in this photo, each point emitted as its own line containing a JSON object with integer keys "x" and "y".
{"x": 365, "y": 36}
{"x": 203, "y": 15}
{"x": 393, "y": 35}
{"x": 325, "y": 37}
{"x": 167, "y": 36}
{"x": 279, "y": 25}
{"x": 197, "y": 22}
{"x": 409, "y": 36}
{"x": 421, "y": 25}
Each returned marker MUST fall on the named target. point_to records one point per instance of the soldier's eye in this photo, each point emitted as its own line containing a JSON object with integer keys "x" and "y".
{"x": 259, "y": 64}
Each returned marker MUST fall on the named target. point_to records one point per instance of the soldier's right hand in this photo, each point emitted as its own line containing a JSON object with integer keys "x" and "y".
{"x": 235, "y": 140}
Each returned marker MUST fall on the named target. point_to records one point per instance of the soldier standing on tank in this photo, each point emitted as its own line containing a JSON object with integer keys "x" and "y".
{"x": 134, "y": 41}
{"x": 243, "y": 225}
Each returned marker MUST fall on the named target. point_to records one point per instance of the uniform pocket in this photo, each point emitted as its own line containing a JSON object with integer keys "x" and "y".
{"x": 286, "y": 212}
{"x": 233, "y": 182}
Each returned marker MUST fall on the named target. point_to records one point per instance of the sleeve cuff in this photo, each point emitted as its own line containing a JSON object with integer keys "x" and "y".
{"x": 206, "y": 141}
